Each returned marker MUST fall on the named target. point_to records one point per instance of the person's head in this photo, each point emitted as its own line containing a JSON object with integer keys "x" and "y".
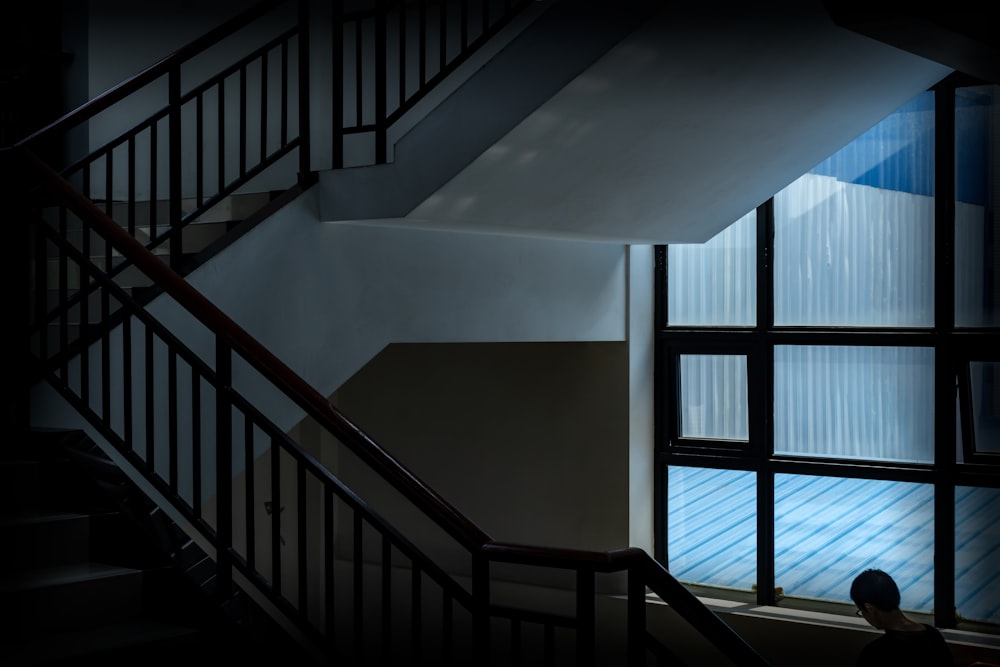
{"x": 875, "y": 593}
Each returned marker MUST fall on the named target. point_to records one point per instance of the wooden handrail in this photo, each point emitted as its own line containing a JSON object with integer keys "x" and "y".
{"x": 264, "y": 361}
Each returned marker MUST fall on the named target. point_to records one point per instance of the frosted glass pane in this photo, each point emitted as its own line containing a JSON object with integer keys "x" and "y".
{"x": 977, "y": 248}
{"x": 986, "y": 405}
{"x": 714, "y": 283}
{"x": 712, "y": 526}
{"x": 854, "y": 238}
{"x": 977, "y": 552}
{"x": 854, "y": 402}
{"x": 828, "y": 529}
{"x": 714, "y": 396}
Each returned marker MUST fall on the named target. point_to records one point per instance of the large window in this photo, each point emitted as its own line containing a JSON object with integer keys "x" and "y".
{"x": 828, "y": 371}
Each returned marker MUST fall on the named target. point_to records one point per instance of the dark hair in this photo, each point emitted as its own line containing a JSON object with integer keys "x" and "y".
{"x": 876, "y": 587}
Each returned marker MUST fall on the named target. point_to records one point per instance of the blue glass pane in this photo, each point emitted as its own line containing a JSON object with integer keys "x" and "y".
{"x": 986, "y": 405}
{"x": 828, "y": 529}
{"x": 977, "y": 552}
{"x": 714, "y": 283}
{"x": 977, "y": 248}
{"x": 854, "y": 238}
{"x": 712, "y": 526}
{"x": 854, "y": 402}
{"x": 713, "y": 401}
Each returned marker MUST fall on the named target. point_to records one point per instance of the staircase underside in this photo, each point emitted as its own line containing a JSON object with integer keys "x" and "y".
{"x": 690, "y": 121}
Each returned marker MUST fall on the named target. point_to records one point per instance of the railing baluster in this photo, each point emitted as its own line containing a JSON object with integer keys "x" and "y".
{"x": 221, "y": 134}
{"x": 150, "y": 368}
{"x": 248, "y": 492}
{"x": 305, "y": 131}
{"x": 416, "y": 615}
{"x": 223, "y": 470}
{"x": 276, "y": 579}
{"x": 175, "y": 169}
{"x": 359, "y": 574}
{"x": 302, "y": 540}
{"x": 128, "y": 436}
{"x": 199, "y": 154}
{"x": 196, "y": 442}
{"x": 242, "y": 119}
{"x": 263, "y": 107}
{"x": 172, "y": 398}
{"x": 329, "y": 560}
{"x": 386, "y": 600}
{"x": 381, "y": 149}
{"x": 585, "y": 616}
{"x": 153, "y": 160}
{"x": 130, "y": 203}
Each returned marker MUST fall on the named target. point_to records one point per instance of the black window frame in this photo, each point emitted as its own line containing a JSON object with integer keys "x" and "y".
{"x": 955, "y": 350}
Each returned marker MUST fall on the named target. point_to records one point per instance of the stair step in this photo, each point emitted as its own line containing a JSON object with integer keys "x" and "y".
{"x": 83, "y": 595}
{"x": 44, "y": 539}
{"x": 143, "y": 641}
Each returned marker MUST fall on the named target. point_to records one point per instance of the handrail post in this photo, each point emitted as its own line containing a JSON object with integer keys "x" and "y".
{"x": 585, "y": 617}
{"x": 636, "y": 626}
{"x": 481, "y": 608}
{"x": 223, "y": 470}
{"x": 305, "y": 133}
{"x": 381, "y": 78}
{"x": 174, "y": 168}
{"x": 337, "y": 85}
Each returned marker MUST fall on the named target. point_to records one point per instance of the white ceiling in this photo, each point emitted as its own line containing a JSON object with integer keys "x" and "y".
{"x": 690, "y": 122}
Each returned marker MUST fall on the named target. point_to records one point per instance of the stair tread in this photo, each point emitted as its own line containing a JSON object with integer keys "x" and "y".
{"x": 61, "y": 574}
{"x": 68, "y": 644}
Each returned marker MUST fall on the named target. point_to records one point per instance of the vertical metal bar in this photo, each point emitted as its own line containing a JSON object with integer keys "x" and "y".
{"x": 329, "y": 557}
{"x": 127, "y": 403}
{"x": 381, "y": 131}
{"x": 199, "y": 154}
{"x": 172, "y": 397}
{"x": 196, "y": 442}
{"x": 150, "y": 393}
{"x": 153, "y": 208}
{"x": 386, "y": 600}
{"x": 63, "y": 298}
{"x": 359, "y": 574}
{"x": 447, "y": 629}
{"x": 443, "y": 36}
{"x": 636, "y": 622}
{"x": 221, "y": 135}
{"x": 464, "y": 26}
{"x": 130, "y": 204}
{"x": 176, "y": 244}
{"x": 481, "y": 607}
{"x": 83, "y": 292}
{"x": 283, "y": 104}
{"x": 263, "y": 107}
{"x": 358, "y": 76}
{"x": 305, "y": 122}
{"x": 248, "y": 492}
{"x": 109, "y": 177}
{"x": 416, "y": 603}
{"x": 946, "y": 360}
{"x": 586, "y": 621}
{"x": 337, "y": 86}
{"x": 422, "y": 58}
{"x": 276, "y": 581}
{"x": 223, "y": 470}
{"x": 106, "y": 353}
{"x": 242, "y": 118}
{"x": 302, "y": 508}
{"x": 402, "y": 54}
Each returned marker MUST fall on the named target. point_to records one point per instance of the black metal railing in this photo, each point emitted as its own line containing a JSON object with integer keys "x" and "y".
{"x": 197, "y": 419}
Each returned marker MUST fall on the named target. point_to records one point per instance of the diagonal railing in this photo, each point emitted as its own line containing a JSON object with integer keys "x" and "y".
{"x": 199, "y": 428}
